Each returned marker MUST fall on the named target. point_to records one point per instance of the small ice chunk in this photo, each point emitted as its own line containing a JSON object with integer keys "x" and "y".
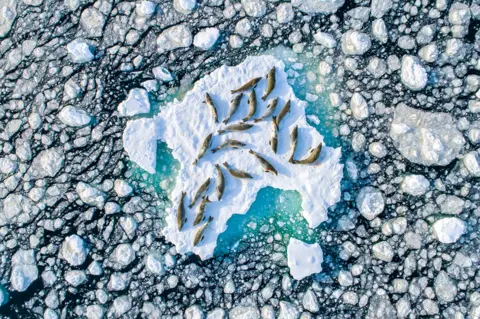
{"x": 74, "y": 250}
{"x": 304, "y": 259}
{"x": 90, "y": 195}
{"x": 380, "y": 7}
{"x": 122, "y": 188}
{"x": 355, "y": 42}
{"x": 137, "y": 102}
{"x": 318, "y": 6}
{"x": 415, "y": 185}
{"x": 123, "y": 255}
{"x": 145, "y": 8}
{"x": 424, "y": 137}
{"x": 175, "y": 37}
{"x": 413, "y": 73}
{"x": 325, "y": 39}
{"x": 445, "y": 287}
{"x": 254, "y": 8}
{"x": 379, "y": 30}
{"x": 75, "y": 277}
{"x": 471, "y": 161}
{"x": 24, "y": 269}
{"x": 285, "y": 13}
{"x": 370, "y": 202}
{"x": 310, "y": 301}
{"x": 459, "y": 14}
{"x": 47, "y": 163}
{"x": 449, "y": 230}
{"x": 93, "y": 21}
{"x": 8, "y": 14}
{"x": 80, "y": 51}
{"x": 429, "y": 53}
{"x": 206, "y": 38}
{"x": 184, "y": 6}
{"x": 154, "y": 264}
{"x": 140, "y": 142}
{"x": 383, "y": 251}
{"x": 450, "y": 204}
{"x": 72, "y": 116}
{"x": 359, "y": 106}
{"x": 162, "y": 74}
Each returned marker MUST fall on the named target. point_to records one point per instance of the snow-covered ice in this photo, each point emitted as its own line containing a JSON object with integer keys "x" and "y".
{"x": 304, "y": 259}
{"x": 355, "y": 42}
{"x": 319, "y": 185}
{"x": 80, "y": 51}
{"x": 140, "y": 143}
{"x": 175, "y": 37}
{"x": 415, "y": 185}
{"x": 448, "y": 230}
{"x": 318, "y": 6}
{"x": 424, "y": 137}
{"x": 72, "y": 116}
{"x": 370, "y": 202}
{"x": 137, "y": 102}
{"x": 206, "y": 38}
{"x": 413, "y": 73}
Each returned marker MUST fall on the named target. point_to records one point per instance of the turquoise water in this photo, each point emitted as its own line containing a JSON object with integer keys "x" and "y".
{"x": 274, "y": 212}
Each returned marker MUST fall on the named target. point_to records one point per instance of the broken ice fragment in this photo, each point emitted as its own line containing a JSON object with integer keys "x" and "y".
{"x": 137, "y": 102}
{"x": 304, "y": 259}
{"x": 72, "y": 116}
{"x": 80, "y": 51}
{"x": 449, "y": 230}
{"x": 206, "y": 38}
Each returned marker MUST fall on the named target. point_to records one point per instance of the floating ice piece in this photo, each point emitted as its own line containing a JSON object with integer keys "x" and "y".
{"x": 254, "y": 8}
{"x": 8, "y": 14}
{"x": 471, "y": 161}
{"x": 359, "y": 106}
{"x": 24, "y": 269}
{"x": 370, "y": 202}
{"x": 206, "y": 38}
{"x": 425, "y": 138}
{"x": 145, "y": 8}
{"x": 74, "y": 250}
{"x": 136, "y": 103}
{"x": 413, "y": 74}
{"x": 304, "y": 259}
{"x": 448, "y": 230}
{"x": 184, "y": 126}
{"x": 184, "y": 6}
{"x": 285, "y": 13}
{"x": 72, "y": 116}
{"x": 47, "y": 163}
{"x": 325, "y": 39}
{"x": 80, "y": 51}
{"x": 90, "y": 195}
{"x": 415, "y": 185}
{"x": 162, "y": 74}
{"x": 355, "y": 42}
{"x": 175, "y": 37}
{"x": 318, "y": 6}
{"x": 140, "y": 142}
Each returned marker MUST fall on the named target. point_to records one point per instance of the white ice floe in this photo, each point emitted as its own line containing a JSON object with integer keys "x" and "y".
{"x": 206, "y": 38}
{"x": 318, "y": 6}
{"x": 184, "y": 126}
{"x": 415, "y": 185}
{"x": 175, "y": 37}
{"x": 448, "y": 230}
{"x": 24, "y": 269}
{"x": 137, "y": 102}
{"x": 162, "y": 74}
{"x": 254, "y": 8}
{"x": 72, "y": 116}
{"x": 413, "y": 74}
{"x": 355, "y": 42}
{"x": 74, "y": 250}
{"x": 424, "y": 137}
{"x": 370, "y": 202}
{"x": 184, "y": 6}
{"x": 80, "y": 51}
{"x": 140, "y": 143}
{"x": 304, "y": 259}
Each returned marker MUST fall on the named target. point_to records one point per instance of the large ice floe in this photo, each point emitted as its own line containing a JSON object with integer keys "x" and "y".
{"x": 184, "y": 126}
